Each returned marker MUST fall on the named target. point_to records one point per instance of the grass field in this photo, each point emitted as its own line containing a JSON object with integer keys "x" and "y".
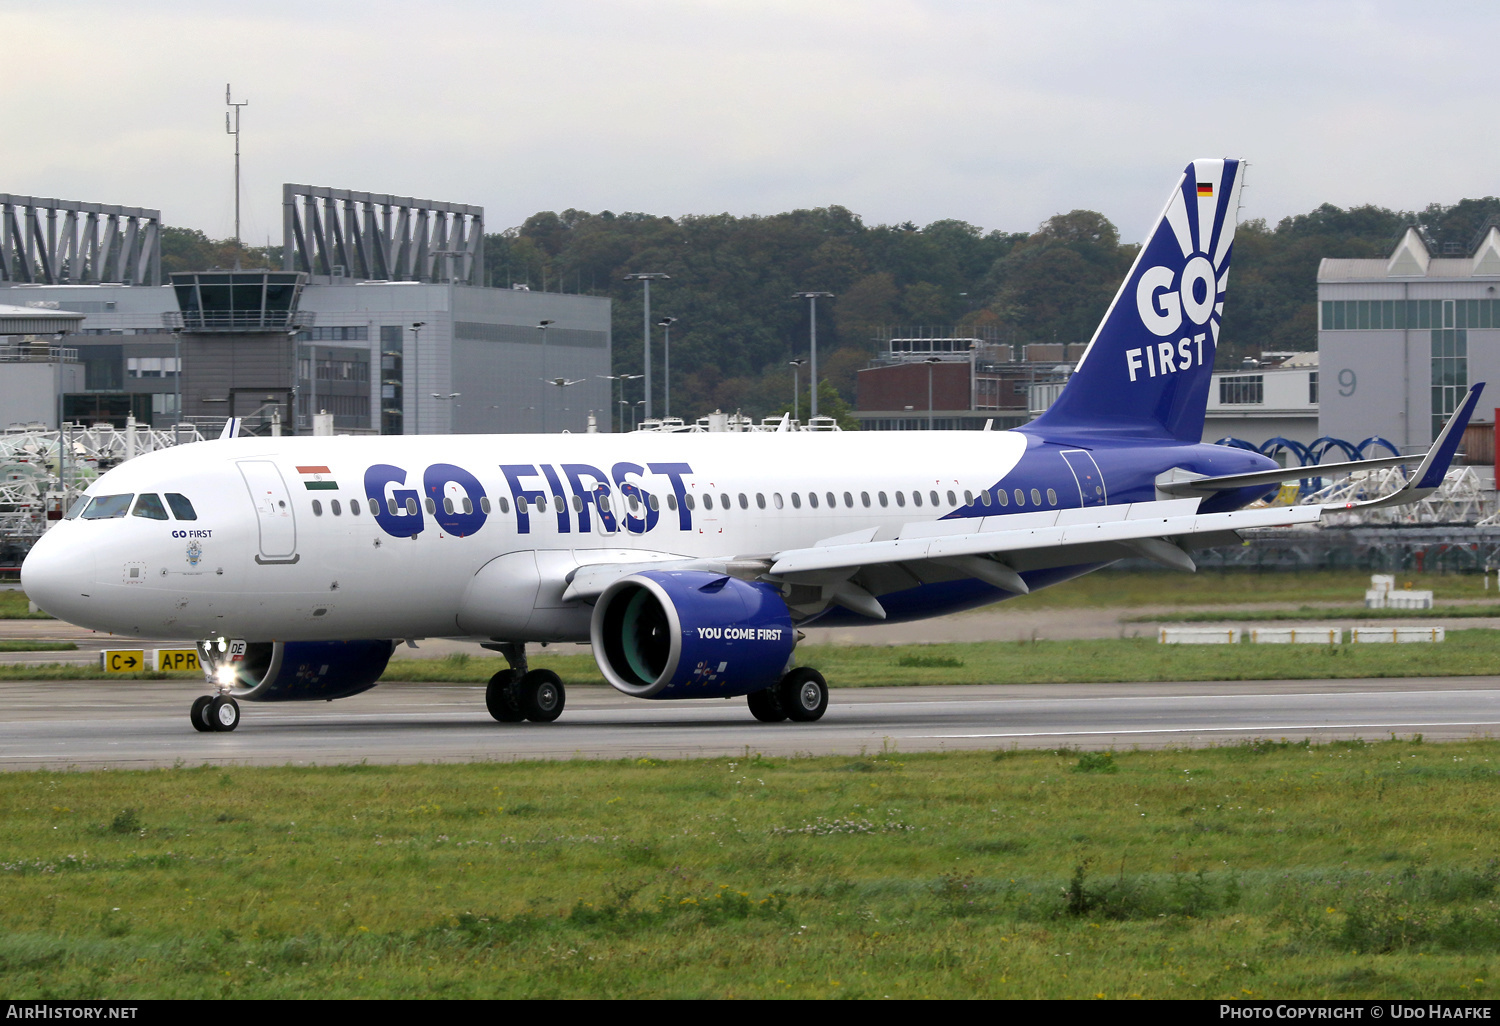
{"x": 1269, "y": 869}
{"x": 1470, "y": 652}
{"x": 1465, "y": 653}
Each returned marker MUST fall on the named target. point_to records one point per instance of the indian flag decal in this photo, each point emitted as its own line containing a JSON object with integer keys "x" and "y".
{"x": 318, "y": 479}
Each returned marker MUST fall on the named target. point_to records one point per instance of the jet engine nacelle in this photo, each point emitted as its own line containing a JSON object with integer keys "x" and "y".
{"x": 691, "y": 634}
{"x": 300, "y": 671}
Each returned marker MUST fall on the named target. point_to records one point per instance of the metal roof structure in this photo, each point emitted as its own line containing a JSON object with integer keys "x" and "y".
{"x": 31, "y": 320}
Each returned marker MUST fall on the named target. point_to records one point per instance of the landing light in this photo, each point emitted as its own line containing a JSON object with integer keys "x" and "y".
{"x": 226, "y": 675}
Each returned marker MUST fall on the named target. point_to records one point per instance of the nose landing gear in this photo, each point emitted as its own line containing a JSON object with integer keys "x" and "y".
{"x": 215, "y": 713}
{"x": 219, "y": 711}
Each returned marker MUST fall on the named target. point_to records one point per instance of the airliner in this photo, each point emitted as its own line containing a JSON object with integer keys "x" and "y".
{"x": 690, "y": 562}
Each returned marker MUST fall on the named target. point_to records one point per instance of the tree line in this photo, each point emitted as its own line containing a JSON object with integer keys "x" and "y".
{"x": 732, "y": 281}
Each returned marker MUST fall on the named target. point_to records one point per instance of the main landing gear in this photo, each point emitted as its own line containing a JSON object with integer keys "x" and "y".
{"x": 800, "y": 696}
{"x": 215, "y": 713}
{"x": 520, "y": 694}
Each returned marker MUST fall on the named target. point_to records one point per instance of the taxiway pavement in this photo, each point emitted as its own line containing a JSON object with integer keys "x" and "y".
{"x": 138, "y": 724}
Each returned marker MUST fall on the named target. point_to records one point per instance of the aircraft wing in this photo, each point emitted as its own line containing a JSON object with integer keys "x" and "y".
{"x": 1433, "y": 464}
{"x": 853, "y": 573}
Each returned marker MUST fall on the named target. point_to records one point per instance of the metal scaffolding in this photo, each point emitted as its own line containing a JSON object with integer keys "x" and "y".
{"x": 62, "y": 242}
{"x": 42, "y": 471}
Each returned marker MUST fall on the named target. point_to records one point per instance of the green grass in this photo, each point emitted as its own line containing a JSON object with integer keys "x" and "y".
{"x": 1464, "y": 653}
{"x": 1268, "y": 869}
{"x": 14, "y": 605}
{"x": 37, "y": 646}
{"x": 1111, "y": 589}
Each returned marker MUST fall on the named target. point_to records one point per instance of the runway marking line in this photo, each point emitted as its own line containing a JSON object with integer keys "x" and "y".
{"x": 1210, "y": 730}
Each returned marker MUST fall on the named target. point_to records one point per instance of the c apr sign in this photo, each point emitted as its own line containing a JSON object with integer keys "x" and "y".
{"x": 122, "y": 660}
{"x": 178, "y": 659}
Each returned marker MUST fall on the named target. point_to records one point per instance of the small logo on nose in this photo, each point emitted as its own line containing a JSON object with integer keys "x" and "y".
{"x": 194, "y": 553}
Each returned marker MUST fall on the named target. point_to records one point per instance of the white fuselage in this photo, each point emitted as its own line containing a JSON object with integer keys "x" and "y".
{"x": 262, "y": 561}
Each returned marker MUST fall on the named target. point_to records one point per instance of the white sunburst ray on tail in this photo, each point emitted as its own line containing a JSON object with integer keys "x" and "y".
{"x": 1162, "y": 327}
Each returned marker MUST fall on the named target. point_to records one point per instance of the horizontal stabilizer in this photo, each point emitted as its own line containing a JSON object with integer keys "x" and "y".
{"x": 1432, "y": 465}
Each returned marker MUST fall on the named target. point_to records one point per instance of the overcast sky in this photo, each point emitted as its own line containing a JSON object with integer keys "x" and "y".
{"x": 999, "y": 114}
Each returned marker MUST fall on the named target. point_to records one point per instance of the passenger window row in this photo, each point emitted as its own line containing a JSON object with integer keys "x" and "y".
{"x": 917, "y": 499}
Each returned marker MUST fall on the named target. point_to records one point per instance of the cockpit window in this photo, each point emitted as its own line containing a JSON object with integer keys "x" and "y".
{"x": 78, "y": 506}
{"x": 149, "y": 506}
{"x": 182, "y": 509}
{"x": 107, "y": 507}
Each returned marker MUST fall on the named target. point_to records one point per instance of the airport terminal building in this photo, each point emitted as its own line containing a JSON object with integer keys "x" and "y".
{"x": 378, "y": 316}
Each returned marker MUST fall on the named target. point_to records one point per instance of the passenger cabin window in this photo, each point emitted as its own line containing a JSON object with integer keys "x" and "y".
{"x": 468, "y": 506}
{"x": 864, "y": 497}
{"x": 916, "y": 498}
{"x": 108, "y": 507}
{"x": 317, "y": 508}
{"x": 797, "y": 500}
{"x": 1000, "y": 494}
{"x": 411, "y": 507}
{"x": 745, "y": 503}
{"x": 334, "y": 506}
{"x": 484, "y": 505}
{"x": 1020, "y": 497}
{"x": 901, "y": 499}
{"x": 653, "y": 502}
{"x": 968, "y": 498}
{"x": 882, "y": 497}
{"x": 149, "y": 506}
{"x": 812, "y": 499}
{"x": 354, "y": 507}
{"x": 1036, "y": 497}
{"x": 724, "y": 500}
{"x": 505, "y": 505}
{"x": 984, "y": 498}
{"x": 708, "y": 501}
{"x": 1051, "y": 497}
{"x": 776, "y": 498}
{"x": 182, "y": 509}
{"x": 431, "y": 507}
{"x": 688, "y": 499}
{"x": 760, "y": 499}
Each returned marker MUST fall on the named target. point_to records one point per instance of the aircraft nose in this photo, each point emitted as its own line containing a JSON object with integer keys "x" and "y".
{"x": 58, "y": 575}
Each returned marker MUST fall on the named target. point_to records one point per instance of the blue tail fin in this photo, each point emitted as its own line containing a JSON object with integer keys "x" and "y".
{"x": 1147, "y": 369}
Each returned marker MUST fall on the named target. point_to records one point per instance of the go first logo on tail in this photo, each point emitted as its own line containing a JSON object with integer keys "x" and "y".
{"x": 1181, "y": 301}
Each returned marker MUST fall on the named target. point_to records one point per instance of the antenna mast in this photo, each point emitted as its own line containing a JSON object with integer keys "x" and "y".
{"x": 235, "y": 131}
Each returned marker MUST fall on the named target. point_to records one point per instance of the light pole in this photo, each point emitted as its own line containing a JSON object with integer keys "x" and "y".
{"x": 646, "y": 279}
{"x": 450, "y": 397}
{"x": 416, "y": 367}
{"x": 634, "y": 410}
{"x": 666, "y": 325}
{"x": 177, "y": 343}
{"x": 930, "y": 361}
{"x": 796, "y": 366}
{"x": 621, "y": 378}
{"x": 812, "y": 322}
{"x": 542, "y": 327}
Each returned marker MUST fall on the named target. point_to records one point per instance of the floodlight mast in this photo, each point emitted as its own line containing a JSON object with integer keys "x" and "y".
{"x": 235, "y": 131}
{"x": 646, "y": 279}
{"x": 812, "y": 320}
